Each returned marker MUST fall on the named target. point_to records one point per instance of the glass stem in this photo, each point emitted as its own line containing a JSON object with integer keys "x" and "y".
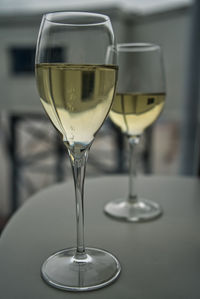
{"x": 78, "y": 162}
{"x": 133, "y": 141}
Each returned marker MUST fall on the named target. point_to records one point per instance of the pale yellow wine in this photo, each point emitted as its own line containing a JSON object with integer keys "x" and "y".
{"x": 77, "y": 98}
{"x": 135, "y": 112}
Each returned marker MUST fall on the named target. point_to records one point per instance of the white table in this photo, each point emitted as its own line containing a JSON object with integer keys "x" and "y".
{"x": 159, "y": 259}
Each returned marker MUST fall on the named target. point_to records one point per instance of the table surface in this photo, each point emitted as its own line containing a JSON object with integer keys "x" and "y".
{"x": 160, "y": 259}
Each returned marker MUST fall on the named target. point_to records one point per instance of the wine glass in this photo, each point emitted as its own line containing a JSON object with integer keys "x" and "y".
{"x": 138, "y": 103}
{"x": 76, "y": 78}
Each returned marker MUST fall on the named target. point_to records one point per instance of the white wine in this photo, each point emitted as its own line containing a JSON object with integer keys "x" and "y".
{"x": 135, "y": 112}
{"x": 77, "y": 98}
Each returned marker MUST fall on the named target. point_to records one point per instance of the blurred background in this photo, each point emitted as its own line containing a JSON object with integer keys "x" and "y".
{"x": 32, "y": 156}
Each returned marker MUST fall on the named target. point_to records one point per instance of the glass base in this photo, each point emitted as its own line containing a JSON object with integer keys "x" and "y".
{"x": 65, "y": 270}
{"x": 137, "y": 211}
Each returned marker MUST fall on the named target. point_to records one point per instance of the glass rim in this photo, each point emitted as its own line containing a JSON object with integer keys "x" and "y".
{"x": 137, "y": 47}
{"x": 100, "y": 18}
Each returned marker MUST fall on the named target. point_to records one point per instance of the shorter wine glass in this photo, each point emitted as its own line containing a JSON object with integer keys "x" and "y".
{"x": 138, "y": 103}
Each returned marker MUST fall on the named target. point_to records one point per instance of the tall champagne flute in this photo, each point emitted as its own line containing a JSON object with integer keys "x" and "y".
{"x": 76, "y": 79}
{"x": 138, "y": 103}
